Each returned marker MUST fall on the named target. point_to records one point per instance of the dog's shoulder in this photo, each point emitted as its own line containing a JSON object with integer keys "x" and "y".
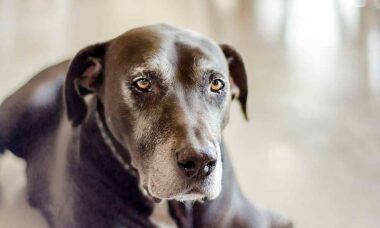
{"x": 32, "y": 109}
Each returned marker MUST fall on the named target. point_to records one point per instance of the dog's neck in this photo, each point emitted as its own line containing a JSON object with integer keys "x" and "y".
{"x": 118, "y": 152}
{"x": 113, "y": 146}
{"x": 103, "y": 168}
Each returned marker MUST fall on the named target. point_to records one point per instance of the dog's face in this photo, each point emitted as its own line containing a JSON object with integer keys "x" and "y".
{"x": 166, "y": 94}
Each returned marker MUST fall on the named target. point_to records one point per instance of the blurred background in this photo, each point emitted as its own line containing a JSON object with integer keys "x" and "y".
{"x": 311, "y": 149}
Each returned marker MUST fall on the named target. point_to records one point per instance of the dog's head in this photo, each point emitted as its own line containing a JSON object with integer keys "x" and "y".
{"x": 166, "y": 95}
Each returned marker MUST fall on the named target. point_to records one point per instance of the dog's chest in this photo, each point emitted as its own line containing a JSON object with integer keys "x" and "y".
{"x": 161, "y": 217}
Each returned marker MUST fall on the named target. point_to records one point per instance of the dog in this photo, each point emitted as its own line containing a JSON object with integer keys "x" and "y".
{"x": 129, "y": 134}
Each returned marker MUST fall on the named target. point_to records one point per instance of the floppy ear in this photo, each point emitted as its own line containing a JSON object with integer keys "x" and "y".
{"x": 84, "y": 76}
{"x": 238, "y": 76}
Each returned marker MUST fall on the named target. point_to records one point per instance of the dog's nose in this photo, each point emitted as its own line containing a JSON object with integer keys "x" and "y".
{"x": 196, "y": 163}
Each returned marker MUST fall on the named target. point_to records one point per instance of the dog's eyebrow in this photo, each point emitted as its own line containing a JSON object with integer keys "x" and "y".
{"x": 147, "y": 72}
{"x": 206, "y": 67}
{"x": 140, "y": 70}
{"x": 212, "y": 72}
{"x": 159, "y": 66}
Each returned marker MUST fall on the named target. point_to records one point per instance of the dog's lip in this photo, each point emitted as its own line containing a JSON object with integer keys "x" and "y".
{"x": 191, "y": 191}
{"x": 151, "y": 197}
{"x": 195, "y": 188}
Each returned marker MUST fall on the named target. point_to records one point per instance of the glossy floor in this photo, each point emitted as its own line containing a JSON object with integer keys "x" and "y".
{"x": 311, "y": 149}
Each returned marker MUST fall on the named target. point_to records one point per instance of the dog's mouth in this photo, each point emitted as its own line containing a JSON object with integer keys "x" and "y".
{"x": 196, "y": 192}
{"x": 168, "y": 182}
{"x": 150, "y": 196}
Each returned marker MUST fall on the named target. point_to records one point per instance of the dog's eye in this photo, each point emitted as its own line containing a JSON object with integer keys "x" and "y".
{"x": 142, "y": 84}
{"x": 217, "y": 85}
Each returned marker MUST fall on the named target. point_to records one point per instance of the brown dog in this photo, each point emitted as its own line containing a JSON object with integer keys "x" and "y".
{"x": 150, "y": 131}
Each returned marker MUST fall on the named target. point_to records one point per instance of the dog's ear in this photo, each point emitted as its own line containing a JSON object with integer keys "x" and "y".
{"x": 238, "y": 76}
{"x": 84, "y": 76}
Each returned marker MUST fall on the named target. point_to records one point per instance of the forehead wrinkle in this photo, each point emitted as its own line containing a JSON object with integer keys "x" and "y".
{"x": 187, "y": 56}
{"x": 195, "y": 61}
{"x": 196, "y": 68}
{"x": 164, "y": 59}
{"x": 161, "y": 62}
{"x": 203, "y": 66}
{"x": 158, "y": 62}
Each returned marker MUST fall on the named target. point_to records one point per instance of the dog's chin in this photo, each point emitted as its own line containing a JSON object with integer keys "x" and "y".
{"x": 196, "y": 193}
{"x": 189, "y": 197}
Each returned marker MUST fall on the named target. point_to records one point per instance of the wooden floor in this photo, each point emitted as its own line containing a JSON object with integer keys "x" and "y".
{"x": 311, "y": 149}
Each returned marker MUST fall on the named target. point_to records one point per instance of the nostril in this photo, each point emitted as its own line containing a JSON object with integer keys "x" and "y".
{"x": 210, "y": 166}
{"x": 196, "y": 163}
{"x": 189, "y": 165}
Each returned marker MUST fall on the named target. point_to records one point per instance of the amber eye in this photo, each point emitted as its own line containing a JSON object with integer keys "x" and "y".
{"x": 142, "y": 84}
{"x": 217, "y": 85}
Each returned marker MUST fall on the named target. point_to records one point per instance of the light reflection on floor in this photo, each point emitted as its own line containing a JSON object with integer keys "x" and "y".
{"x": 311, "y": 148}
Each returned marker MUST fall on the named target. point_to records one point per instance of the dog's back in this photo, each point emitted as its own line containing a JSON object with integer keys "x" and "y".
{"x": 30, "y": 112}
{"x": 28, "y": 118}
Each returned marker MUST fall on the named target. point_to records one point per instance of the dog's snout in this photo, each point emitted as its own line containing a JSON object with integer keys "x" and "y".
{"x": 196, "y": 163}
